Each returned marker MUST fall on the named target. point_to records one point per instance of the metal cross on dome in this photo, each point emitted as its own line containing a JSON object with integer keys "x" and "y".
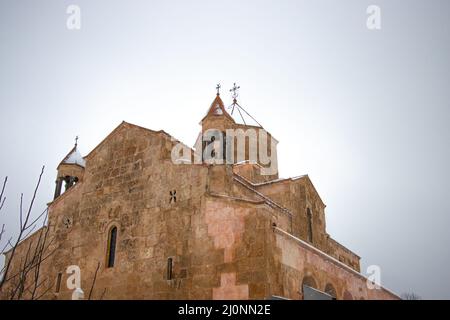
{"x": 76, "y": 141}
{"x": 234, "y": 90}
{"x": 218, "y": 88}
{"x": 235, "y": 105}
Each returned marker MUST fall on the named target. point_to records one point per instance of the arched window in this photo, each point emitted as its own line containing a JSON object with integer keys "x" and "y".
{"x": 347, "y": 295}
{"x": 58, "y": 282}
{"x": 309, "y": 281}
{"x": 224, "y": 147}
{"x": 309, "y": 225}
{"x": 329, "y": 289}
{"x": 112, "y": 239}
{"x": 308, "y": 289}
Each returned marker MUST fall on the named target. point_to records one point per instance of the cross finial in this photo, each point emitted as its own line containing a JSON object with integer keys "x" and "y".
{"x": 76, "y": 141}
{"x": 218, "y": 88}
{"x": 234, "y": 90}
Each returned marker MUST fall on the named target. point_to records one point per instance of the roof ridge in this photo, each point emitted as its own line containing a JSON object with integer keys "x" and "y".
{"x": 269, "y": 201}
{"x": 217, "y": 108}
{"x": 125, "y": 123}
{"x": 68, "y": 154}
{"x": 73, "y": 157}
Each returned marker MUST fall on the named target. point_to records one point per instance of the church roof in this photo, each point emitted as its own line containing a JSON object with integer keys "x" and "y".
{"x": 74, "y": 157}
{"x": 125, "y": 124}
{"x": 217, "y": 108}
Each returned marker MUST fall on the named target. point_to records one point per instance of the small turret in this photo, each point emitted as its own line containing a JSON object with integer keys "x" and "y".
{"x": 70, "y": 170}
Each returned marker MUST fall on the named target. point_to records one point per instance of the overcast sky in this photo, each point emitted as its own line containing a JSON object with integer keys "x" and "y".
{"x": 364, "y": 112}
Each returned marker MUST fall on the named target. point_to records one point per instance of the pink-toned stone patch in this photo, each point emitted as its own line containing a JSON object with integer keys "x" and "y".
{"x": 225, "y": 226}
{"x": 228, "y": 289}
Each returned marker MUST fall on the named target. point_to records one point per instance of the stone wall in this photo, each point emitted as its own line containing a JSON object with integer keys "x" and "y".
{"x": 295, "y": 261}
{"x": 214, "y": 225}
{"x": 298, "y": 195}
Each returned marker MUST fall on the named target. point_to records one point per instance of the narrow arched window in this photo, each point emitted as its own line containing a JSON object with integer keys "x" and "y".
{"x": 348, "y": 295}
{"x": 112, "y": 239}
{"x": 310, "y": 227}
{"x": 330, "y": 290}
{"x": 308, "y": 288}
{"x": 224, "y": 147}
{"x": 58, "y": 282}
{"x": 169, "y": 269}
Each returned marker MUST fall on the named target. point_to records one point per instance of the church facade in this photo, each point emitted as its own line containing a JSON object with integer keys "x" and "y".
{"x": 139, "y": 225}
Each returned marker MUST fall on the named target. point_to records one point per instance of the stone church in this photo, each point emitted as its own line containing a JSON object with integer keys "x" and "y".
{"x": 140, "y": 225}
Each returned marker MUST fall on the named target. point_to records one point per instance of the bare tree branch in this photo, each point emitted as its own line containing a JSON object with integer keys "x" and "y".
{"x": 43, "y": 293}
{"x": 24, "y": 225}
{"x": 37, "y": 270}
{"x": 28, "y": 233}
{"x": 2, "y": 203}
{"x": 2, "y": 199}
{"x": 410, "y": 296}
{"x": 103, "y": 294}
{"x": 93, "y": 281}
{"x": 37, "y": 219}
{"x": 21, "y": 210}
{"x": 34, "y": 197}
{"x": 32, "y": 265}
{"x": 1, "y": 234}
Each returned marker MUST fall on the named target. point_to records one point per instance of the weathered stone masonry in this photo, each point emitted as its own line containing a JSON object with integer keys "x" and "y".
{"x": 191, "y": 231}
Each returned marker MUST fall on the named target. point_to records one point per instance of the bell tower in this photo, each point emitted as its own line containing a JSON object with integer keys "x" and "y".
{"x": 213, "y": 135}
{"x": 70, "y": 171}
{"x": 235, "y": 137}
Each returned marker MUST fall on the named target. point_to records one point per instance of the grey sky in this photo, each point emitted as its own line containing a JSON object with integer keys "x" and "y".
{"x": 365, "y": 113}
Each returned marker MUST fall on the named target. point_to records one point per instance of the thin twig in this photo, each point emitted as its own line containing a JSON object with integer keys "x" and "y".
{"x": 93, "y": 281}
{"x": 2, "y": 232}
{"x": 103, "y": 294}
{"x": 44, "y": 293}
{"x": 21, "y": 210}
{"x": 34, "y": 196}
{"x": 29, "y": 232}
{"x": 3, "y": 203}
{"x": 2, "y": 200}
{"x": 37, "y": 219}
{"x": 22, "y": 229}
